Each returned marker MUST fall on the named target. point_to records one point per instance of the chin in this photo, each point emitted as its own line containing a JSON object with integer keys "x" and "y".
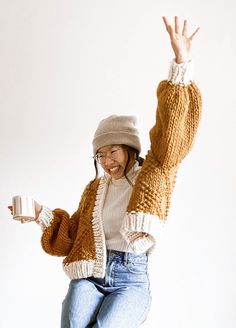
{"x": 117, "y": 175}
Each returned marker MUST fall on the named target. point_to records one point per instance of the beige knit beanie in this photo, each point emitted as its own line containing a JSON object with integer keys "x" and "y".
{"x": 116, "y": 130}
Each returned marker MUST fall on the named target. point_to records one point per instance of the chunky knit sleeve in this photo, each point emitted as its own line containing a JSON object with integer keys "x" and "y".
{"x": 177, "y": 120}
{"x": 172, "y": 136}
{"x": 59, "y": 234}
{"x": 57, "y": 239}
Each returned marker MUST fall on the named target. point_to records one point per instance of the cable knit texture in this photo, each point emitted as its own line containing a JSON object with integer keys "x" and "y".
{"x": 81, "y": 238}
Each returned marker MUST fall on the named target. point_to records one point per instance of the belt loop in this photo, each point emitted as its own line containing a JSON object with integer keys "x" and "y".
{"x": 108, "y": 254}
{"x": 125, "y": 258}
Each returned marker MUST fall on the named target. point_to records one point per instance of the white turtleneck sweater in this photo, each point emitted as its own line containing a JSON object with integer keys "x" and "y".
{"x": 115, "y": 205}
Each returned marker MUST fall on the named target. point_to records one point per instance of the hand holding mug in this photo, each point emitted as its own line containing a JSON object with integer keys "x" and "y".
{"x": 25, "y": 208}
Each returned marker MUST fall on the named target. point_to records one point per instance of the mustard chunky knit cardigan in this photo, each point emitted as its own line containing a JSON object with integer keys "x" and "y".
{"x": 80, "y": 239}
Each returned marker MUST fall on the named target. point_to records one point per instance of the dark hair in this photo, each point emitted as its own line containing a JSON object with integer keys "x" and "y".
{"x": 131, "y": 152}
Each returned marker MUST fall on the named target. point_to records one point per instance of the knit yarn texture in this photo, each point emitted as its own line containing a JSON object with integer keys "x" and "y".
{"x": 80, "y": 239}
{"x": 117, "y": 130}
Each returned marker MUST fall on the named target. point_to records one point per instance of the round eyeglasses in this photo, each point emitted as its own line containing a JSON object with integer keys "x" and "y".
{"x": 112, "y": 154}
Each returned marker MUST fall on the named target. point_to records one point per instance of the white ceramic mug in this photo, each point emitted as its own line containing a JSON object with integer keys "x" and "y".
{"x": 23, "y": 208}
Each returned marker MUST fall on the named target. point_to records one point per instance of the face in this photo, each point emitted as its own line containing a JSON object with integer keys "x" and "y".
{"x": 113, "y": 159}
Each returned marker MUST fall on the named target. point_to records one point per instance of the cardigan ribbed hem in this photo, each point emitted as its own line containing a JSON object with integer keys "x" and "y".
{"x": 79, "y": 269}
{"x": 98, "y": 233}
{"x": 140, "y": 230}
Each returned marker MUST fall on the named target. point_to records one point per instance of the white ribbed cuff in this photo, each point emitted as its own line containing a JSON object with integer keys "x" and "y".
{"x": 181, "y": 73}
{"x": 140, "y": 242}
{"x": 45, "y": 218}
{"x": 140, "y": 231}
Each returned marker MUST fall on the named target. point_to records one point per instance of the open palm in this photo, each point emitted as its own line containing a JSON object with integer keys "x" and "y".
{"x": 180, "y": 41}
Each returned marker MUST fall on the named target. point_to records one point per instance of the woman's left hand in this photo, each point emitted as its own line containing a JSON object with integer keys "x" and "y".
{"x": 180, "y": 42}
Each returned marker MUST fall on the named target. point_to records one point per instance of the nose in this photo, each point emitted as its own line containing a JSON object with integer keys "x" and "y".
{"x": 108, "y": 161}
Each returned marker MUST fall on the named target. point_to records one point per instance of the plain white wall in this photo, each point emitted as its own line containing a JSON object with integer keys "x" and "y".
{"x": 64, "y": 66}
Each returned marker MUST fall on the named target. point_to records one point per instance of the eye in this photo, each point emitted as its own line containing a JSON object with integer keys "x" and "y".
{"x": 114, "y": 150}
{"x": 100, "y": 156}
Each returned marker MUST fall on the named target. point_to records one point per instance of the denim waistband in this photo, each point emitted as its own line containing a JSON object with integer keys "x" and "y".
{"x": 124, "y": 256}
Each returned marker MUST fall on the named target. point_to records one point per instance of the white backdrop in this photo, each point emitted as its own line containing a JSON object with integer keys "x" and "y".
{"x": 64, "y": 66}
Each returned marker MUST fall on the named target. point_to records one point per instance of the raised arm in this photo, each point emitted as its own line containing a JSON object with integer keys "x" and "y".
{"x": 179, "y": 103}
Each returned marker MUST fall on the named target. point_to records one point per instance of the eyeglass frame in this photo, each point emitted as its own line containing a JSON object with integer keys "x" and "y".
{"x": 108, "y": 154}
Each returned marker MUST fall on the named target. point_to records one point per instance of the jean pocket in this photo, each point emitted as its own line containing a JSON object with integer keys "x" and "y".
{"x": 137, "y": 264}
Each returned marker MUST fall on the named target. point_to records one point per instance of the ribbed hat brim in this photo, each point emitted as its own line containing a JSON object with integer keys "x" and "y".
{"x": 116, "y": 138}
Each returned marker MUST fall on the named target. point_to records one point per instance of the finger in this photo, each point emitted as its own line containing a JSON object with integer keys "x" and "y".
{"x": 11, "y": 209}
{"x": 171, "y": 32}
{"x": 185, "y": 28}
{"x": 194, "y": 33}
{"x": 177, "y": 31}
{"x": 167, "y": 25}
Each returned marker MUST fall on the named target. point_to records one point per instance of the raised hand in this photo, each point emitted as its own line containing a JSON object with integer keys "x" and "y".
{"x": 180, "y": 42}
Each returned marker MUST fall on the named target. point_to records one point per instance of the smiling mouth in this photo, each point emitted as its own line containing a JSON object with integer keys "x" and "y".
{"x": 114, "y": 169}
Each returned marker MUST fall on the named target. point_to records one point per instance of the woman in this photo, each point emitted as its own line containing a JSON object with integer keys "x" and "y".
{"x": 107, "y": 241}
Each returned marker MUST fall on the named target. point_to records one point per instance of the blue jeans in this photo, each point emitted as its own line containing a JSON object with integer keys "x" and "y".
{"x": 120, "y": 299}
